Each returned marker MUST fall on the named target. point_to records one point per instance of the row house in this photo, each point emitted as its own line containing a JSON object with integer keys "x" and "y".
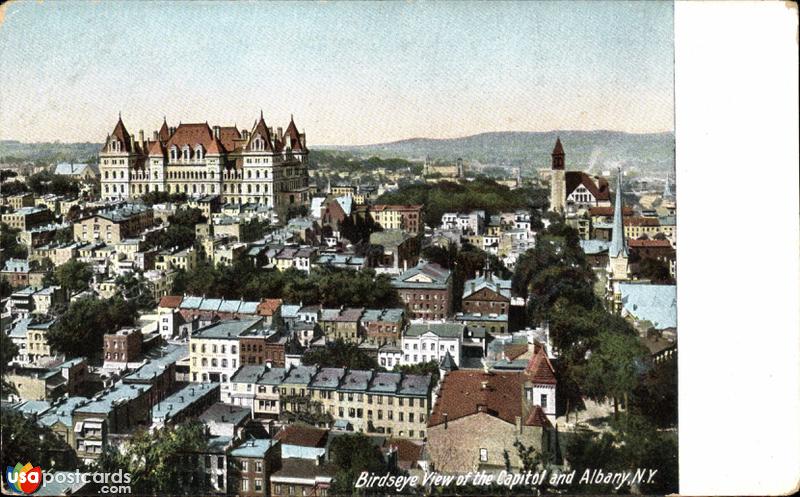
{"x": 122, "y": 408}
{"x": 214, "y": 349}
{"x": 397, "y": 217}
{"x": 341, "y": 324}
{"x": 187, "y": 403}
{"x": 21, "y": 273}
{"x": 383, "y": 326}
{"x": 300, "y": 258}
{"x": 114, "y": 224}
{"x": 30, "y": 300}
{"x": 26, "y": 218}
{"x": 44, "y": 234}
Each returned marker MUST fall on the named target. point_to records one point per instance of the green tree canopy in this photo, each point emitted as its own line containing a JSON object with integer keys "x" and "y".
{"x": 74, "y": 276}
{"x": 340, "y": 354}
{"x": 80, "y": 328}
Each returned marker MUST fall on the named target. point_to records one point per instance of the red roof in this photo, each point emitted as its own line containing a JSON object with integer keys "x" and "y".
{"x": 291, "y": 132}
{"x": 408, "y": 452}
{"x": 303, "y": 435}
{"x": 215, "y": 147}
{"x": 192, "y": 134}
{"x": 537, "y": 417}
{"x": 228, "y": 135}
{"x": 268, "y": 307}
{"x": 466, "y": 392}
{"x": 597, "y": 186}
{"x": 163, "y": 133}
{"x": 395, "y": 207}
{"x": 121, "y": 134}
{"x": 558, "y": 149}
{"x": 261, "y": 130}
{"x": 609, "y": 211}
{"x": 649, "y": 244}
{"x": 155, "y": 148}
{"x": 539, "y": 368}
{"x": 172, "y": 301}
{"x": 642, "y": 221}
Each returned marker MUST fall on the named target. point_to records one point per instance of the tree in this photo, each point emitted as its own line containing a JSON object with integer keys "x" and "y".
{"x": 74, "y": 276}
{"x": 24, "y": 440}
{"x": 8, "y": 239}
{"x": 615, "y": 367}
{"x": 8, "y": 351}
{"x": 14, "y": 188}
{"x": 422, "y": 368}
{"x": 164, "y": 461}
{"x": 81, "y": 327}
{"x": 656, "y": 271}
{"x": 340, "y": 354}
{"x": 136, "y": 291}
{"x": 353, "y": 454}
{"x": 656, "y": 397}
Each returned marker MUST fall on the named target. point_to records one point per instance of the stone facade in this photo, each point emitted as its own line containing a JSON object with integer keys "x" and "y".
{"x": 262, "y": 165}
{"x": 468, "y": 443}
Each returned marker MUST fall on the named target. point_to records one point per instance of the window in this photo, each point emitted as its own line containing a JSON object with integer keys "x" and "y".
{"x": 245, "y": 466}
{"x": 245, "y": 484}
{"x": 543, "y": 400}
{"x": 257, "y": 483}
{"x": 484, "y": 455}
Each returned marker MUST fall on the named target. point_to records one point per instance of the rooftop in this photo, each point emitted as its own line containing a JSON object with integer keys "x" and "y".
{"x": 225, "y": 413}
{"x": 228, "y": 329}
{"x": 254, "y": 447}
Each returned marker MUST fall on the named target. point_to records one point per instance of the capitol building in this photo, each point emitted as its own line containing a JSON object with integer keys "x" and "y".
{"x": 263, "y": 165}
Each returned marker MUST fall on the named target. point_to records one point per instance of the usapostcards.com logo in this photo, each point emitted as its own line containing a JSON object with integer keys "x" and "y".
{"x": 23, "y": 479}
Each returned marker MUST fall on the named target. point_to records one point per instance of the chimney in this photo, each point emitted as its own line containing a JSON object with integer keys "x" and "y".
{"x": 141, "y": 138}
{"x": 303, "y": 140}
{"x": 133, "y": 143}
{"x": 245, "y": 134}
{"x": 216, "y": 132}
{"x": 280, "y": 131}
{"x": 155, "y": 136}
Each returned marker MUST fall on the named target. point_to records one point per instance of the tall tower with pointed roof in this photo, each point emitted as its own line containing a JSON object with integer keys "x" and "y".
{"x": 558, "y": 186}
{"x": 618, "y": 269}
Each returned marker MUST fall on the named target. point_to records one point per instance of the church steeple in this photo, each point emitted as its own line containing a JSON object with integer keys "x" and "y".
{"x": 618, "y": 246}
{"x": 558, "y": 155}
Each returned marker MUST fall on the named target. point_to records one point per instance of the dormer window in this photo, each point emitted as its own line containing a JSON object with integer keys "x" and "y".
{"x": 198, "y": 152}
{"x": 187, "y": 153}
{"x": 173, "y": 153}
{"x": 258, "y": 143}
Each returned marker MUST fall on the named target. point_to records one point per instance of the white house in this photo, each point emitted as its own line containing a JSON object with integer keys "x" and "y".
{"x": 425, "y": 342}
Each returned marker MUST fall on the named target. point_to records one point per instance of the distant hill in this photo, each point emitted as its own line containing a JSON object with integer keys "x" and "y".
{"x": 594, "y": 151}
{"x": 12, "y": 151}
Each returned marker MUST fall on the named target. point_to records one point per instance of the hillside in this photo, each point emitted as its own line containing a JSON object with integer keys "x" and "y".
{"x": 587, "y": 150}
{"x": 15, "y": 152}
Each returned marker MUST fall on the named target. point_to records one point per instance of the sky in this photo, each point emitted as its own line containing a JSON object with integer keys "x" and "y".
{"x": 350, "y": 73}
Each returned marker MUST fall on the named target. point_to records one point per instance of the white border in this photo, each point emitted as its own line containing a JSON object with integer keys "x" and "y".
{"x": 737, "y": 183}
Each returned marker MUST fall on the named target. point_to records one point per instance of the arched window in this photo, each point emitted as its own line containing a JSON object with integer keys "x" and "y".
{"x": 258, "y": 143}
{"x": 173, "y": 153}
{"x": 198, "y": 152}
{"x": 186, "y": 153}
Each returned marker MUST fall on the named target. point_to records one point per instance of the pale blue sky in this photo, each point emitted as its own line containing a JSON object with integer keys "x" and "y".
{"x": 351, "y": 73}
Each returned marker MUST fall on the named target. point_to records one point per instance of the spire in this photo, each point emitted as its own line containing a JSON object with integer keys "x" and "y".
{"x": 558, "y": 155}
{"x": 448, "y": 363}
{"x": 668, "y": 188}
{"x": 618, "y": 246}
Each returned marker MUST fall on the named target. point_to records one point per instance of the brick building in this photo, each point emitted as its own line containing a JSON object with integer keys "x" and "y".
{"x": 426, "y": 291}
